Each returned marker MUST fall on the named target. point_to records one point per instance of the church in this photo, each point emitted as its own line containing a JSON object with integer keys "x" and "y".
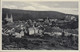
{"x": 9, "y": 19}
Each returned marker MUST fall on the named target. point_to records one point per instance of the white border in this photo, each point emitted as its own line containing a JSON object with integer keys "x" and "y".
{"x": 34, "y": 50}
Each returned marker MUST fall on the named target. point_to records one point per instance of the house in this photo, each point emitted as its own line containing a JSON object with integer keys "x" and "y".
{"x": 40, "y": 20}
{"x": 17, "y": 35}
{"x": 67, "y": 34}
{"x": 58, "y": 33}
{"x": 31, "y": 31}
{"x": 75, "y": 35}
{"x": 22, "y": 33}
{"x": 73, "y": 18}
{"x": 53, "y": 20}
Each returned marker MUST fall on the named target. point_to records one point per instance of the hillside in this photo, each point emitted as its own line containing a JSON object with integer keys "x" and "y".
{"x": 28, "y": 14}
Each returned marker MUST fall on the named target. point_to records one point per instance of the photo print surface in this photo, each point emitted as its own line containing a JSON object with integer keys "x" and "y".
{"x": 40, "y": 25}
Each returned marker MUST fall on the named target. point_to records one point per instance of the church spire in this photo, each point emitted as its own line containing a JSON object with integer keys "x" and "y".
{"x": 11, "y": 18}
{"x": 6, "y": 17}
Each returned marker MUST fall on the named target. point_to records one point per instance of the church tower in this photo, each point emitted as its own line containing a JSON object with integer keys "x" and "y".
{"x": 11, "y": 19}
{"x": 6, "y": 17}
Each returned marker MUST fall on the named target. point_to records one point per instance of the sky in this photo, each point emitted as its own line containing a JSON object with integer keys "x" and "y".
{"x": 67, "y": 7}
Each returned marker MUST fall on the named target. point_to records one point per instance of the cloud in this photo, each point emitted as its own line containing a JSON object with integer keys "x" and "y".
{"x": 56, "y": 4}
{"x": 29, "y": 8}
{"x": 67, "y": 10}
{"x": 10, "y": 6}
{"x": 36, "y": 6}
{"x": 41, "y": 7}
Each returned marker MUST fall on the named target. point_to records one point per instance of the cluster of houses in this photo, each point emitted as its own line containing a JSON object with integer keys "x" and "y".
{"x": 30, "y": 28}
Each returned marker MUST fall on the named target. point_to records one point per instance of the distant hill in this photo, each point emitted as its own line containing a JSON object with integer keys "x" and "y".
{"x": 28, "y": 14}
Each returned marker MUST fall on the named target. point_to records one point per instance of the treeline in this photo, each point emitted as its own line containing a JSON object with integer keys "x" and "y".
{"x": 69, "y": 25}
{"x": 27, "y": 14}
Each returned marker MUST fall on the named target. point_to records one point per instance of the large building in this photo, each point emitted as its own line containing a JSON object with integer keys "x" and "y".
{"x": 9, "y": 19}
{"x": 33, "y": 30}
